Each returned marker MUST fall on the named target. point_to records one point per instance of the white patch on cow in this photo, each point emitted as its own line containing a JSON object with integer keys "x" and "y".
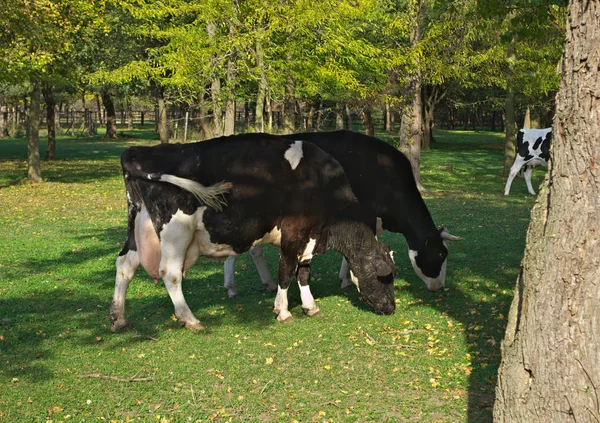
{"x": 307, "y": 254}
{"x": 354, "y": 280}
{"x": 294, "y": 154}
{"x": 273, "y": 237}
{"x": 281, "y": 305}
{"x": 433, "y": 284}
{"x": 308, "y": 302}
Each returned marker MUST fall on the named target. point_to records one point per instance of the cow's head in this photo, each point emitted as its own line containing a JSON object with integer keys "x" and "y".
{"x": 429, "y": 261}
{"x": 373, "y": 275}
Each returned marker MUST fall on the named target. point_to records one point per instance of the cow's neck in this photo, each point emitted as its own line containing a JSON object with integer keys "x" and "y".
{"x": 417, "y": 226}
{"x": 354, "y": 240}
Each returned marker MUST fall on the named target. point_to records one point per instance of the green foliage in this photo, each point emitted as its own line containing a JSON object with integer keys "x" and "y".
{"x": 434, "y": 360}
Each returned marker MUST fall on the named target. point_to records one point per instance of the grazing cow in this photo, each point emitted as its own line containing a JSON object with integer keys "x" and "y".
{"x": 533, "y": 149}
{"x": 221, "y": 197}
{"x": 382, "y": 179}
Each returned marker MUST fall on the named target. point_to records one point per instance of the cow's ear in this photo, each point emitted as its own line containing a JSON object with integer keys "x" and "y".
{"x": 448, "y": 236}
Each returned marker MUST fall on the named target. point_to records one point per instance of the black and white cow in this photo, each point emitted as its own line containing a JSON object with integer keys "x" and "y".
{"x": 382, "y": 179}
{"x": 533, "y": 149}
{"x": 283, "y": 192}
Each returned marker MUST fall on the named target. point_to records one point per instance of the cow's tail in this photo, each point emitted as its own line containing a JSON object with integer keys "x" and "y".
{"x": 213, "y": 196}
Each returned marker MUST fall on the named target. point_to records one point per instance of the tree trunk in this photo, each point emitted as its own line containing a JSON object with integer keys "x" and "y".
{"x": 161, "y": 112}
{"x": 34, "y": 170}
{"x": 206, "y": 126}
{"x": 527, "y": 120}
{"x": 3, "y": 121}
{"x": 550, "y": 369}
{"x": 339, "y": 116}
{"x": 289, "y": 107}
{"x": 367, "y": 120}
{"x": 111, "y": 116}
{"x": 348, "y": 117}
{"x": 411, "y": 123}
{"x": 50, "y": 120}
{"x": 230, "y": 92}
{"x": 262, "y": 89}
{"x": 510, "y": 118}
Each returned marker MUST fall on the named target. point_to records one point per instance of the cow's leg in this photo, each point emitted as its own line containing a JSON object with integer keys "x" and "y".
{"x": 175, "y": 240}
{"x": 344, "y": 275}
{"x": 514, "y": 170}
{"x": 263, "y": 269}
{"x": 126, "y": 266}
{"x": 308, "y": 302}
{"x": 288, "y": 264}
{"x": 527, "y": 175}
{"x": 229, "y": 276}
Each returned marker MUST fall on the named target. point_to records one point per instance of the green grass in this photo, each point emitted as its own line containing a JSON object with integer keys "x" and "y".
{"x": 435, "y": 360}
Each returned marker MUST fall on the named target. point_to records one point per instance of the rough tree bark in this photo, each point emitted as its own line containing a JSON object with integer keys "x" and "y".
{"x": 550, "y": 369}
{"x": 34, "y": 170}
{"x": 50, "y": 120}
{"x": 510, "y": 116}
{"x": 262, "y": 88}
{"x": 111, "y": 116}
{"x": 161, "y": 112}
{"x": 412, "y": 116}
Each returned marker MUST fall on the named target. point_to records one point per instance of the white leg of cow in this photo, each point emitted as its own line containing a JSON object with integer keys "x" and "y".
{"x": 344, "y": 275}
{"x": 229, "y": 273}
{"x": 175, "y": 240}
{"x": 126, "y": 266}
{"x": 309, "y": 306}
{"x": 281, "y": 306}
{"x": 527, "y": 175}
{"x": 263, "y": 270}
{"x": 514, "y": 170}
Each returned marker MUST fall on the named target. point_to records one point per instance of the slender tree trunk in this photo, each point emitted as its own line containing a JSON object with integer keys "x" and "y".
{"x": 367, "y": 119}
{"x": 269, "y": 111}
{"x": 215, "y": 86}
{"x": 411, "y": 124}
{"x": 550, "y": 369}
{"x": 262, "y": 89}
{"x": 289, "y": 107}
{"x": 3, "y": 121}
{"x": 34, "y": 170}
{"x": 230, "y": 93}
{"x": 99, "y": 107}
{"x": 50, "y": 120}
{"x": 206, "y": 126}
{"x": 527, "y": 120}
{"x": 389, "y": 124}
{"x": 339, "y": 116}
{"x": 348, "y": 116}
{"x": 510, "y": 119}
{"x": 161, "y": 112}
{"x": 111, "y": 116}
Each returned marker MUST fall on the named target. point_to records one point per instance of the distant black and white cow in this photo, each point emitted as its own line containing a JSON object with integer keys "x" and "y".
{"x": 287, "y": 193}
{"x": 533, "y": 149}
{"x": 382, "y": 179}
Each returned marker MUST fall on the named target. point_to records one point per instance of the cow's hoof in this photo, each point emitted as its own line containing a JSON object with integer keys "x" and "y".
{"x": 195, "y": 326}
{"x": 285, "y": 317}
{"x": 121, "y": 325}
{"x": 232, "y": 293}
{"x": 314, "y": 312}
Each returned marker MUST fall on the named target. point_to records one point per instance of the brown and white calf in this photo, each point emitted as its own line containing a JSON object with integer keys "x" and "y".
{"x": 382, "y": 179}
{"x": 221, "y": 197}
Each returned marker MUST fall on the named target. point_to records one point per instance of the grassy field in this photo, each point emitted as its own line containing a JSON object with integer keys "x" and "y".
{"x": 435, "y": 360}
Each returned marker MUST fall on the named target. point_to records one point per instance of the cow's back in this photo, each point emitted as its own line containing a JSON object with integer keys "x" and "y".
{"x": 380, "y": 176}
